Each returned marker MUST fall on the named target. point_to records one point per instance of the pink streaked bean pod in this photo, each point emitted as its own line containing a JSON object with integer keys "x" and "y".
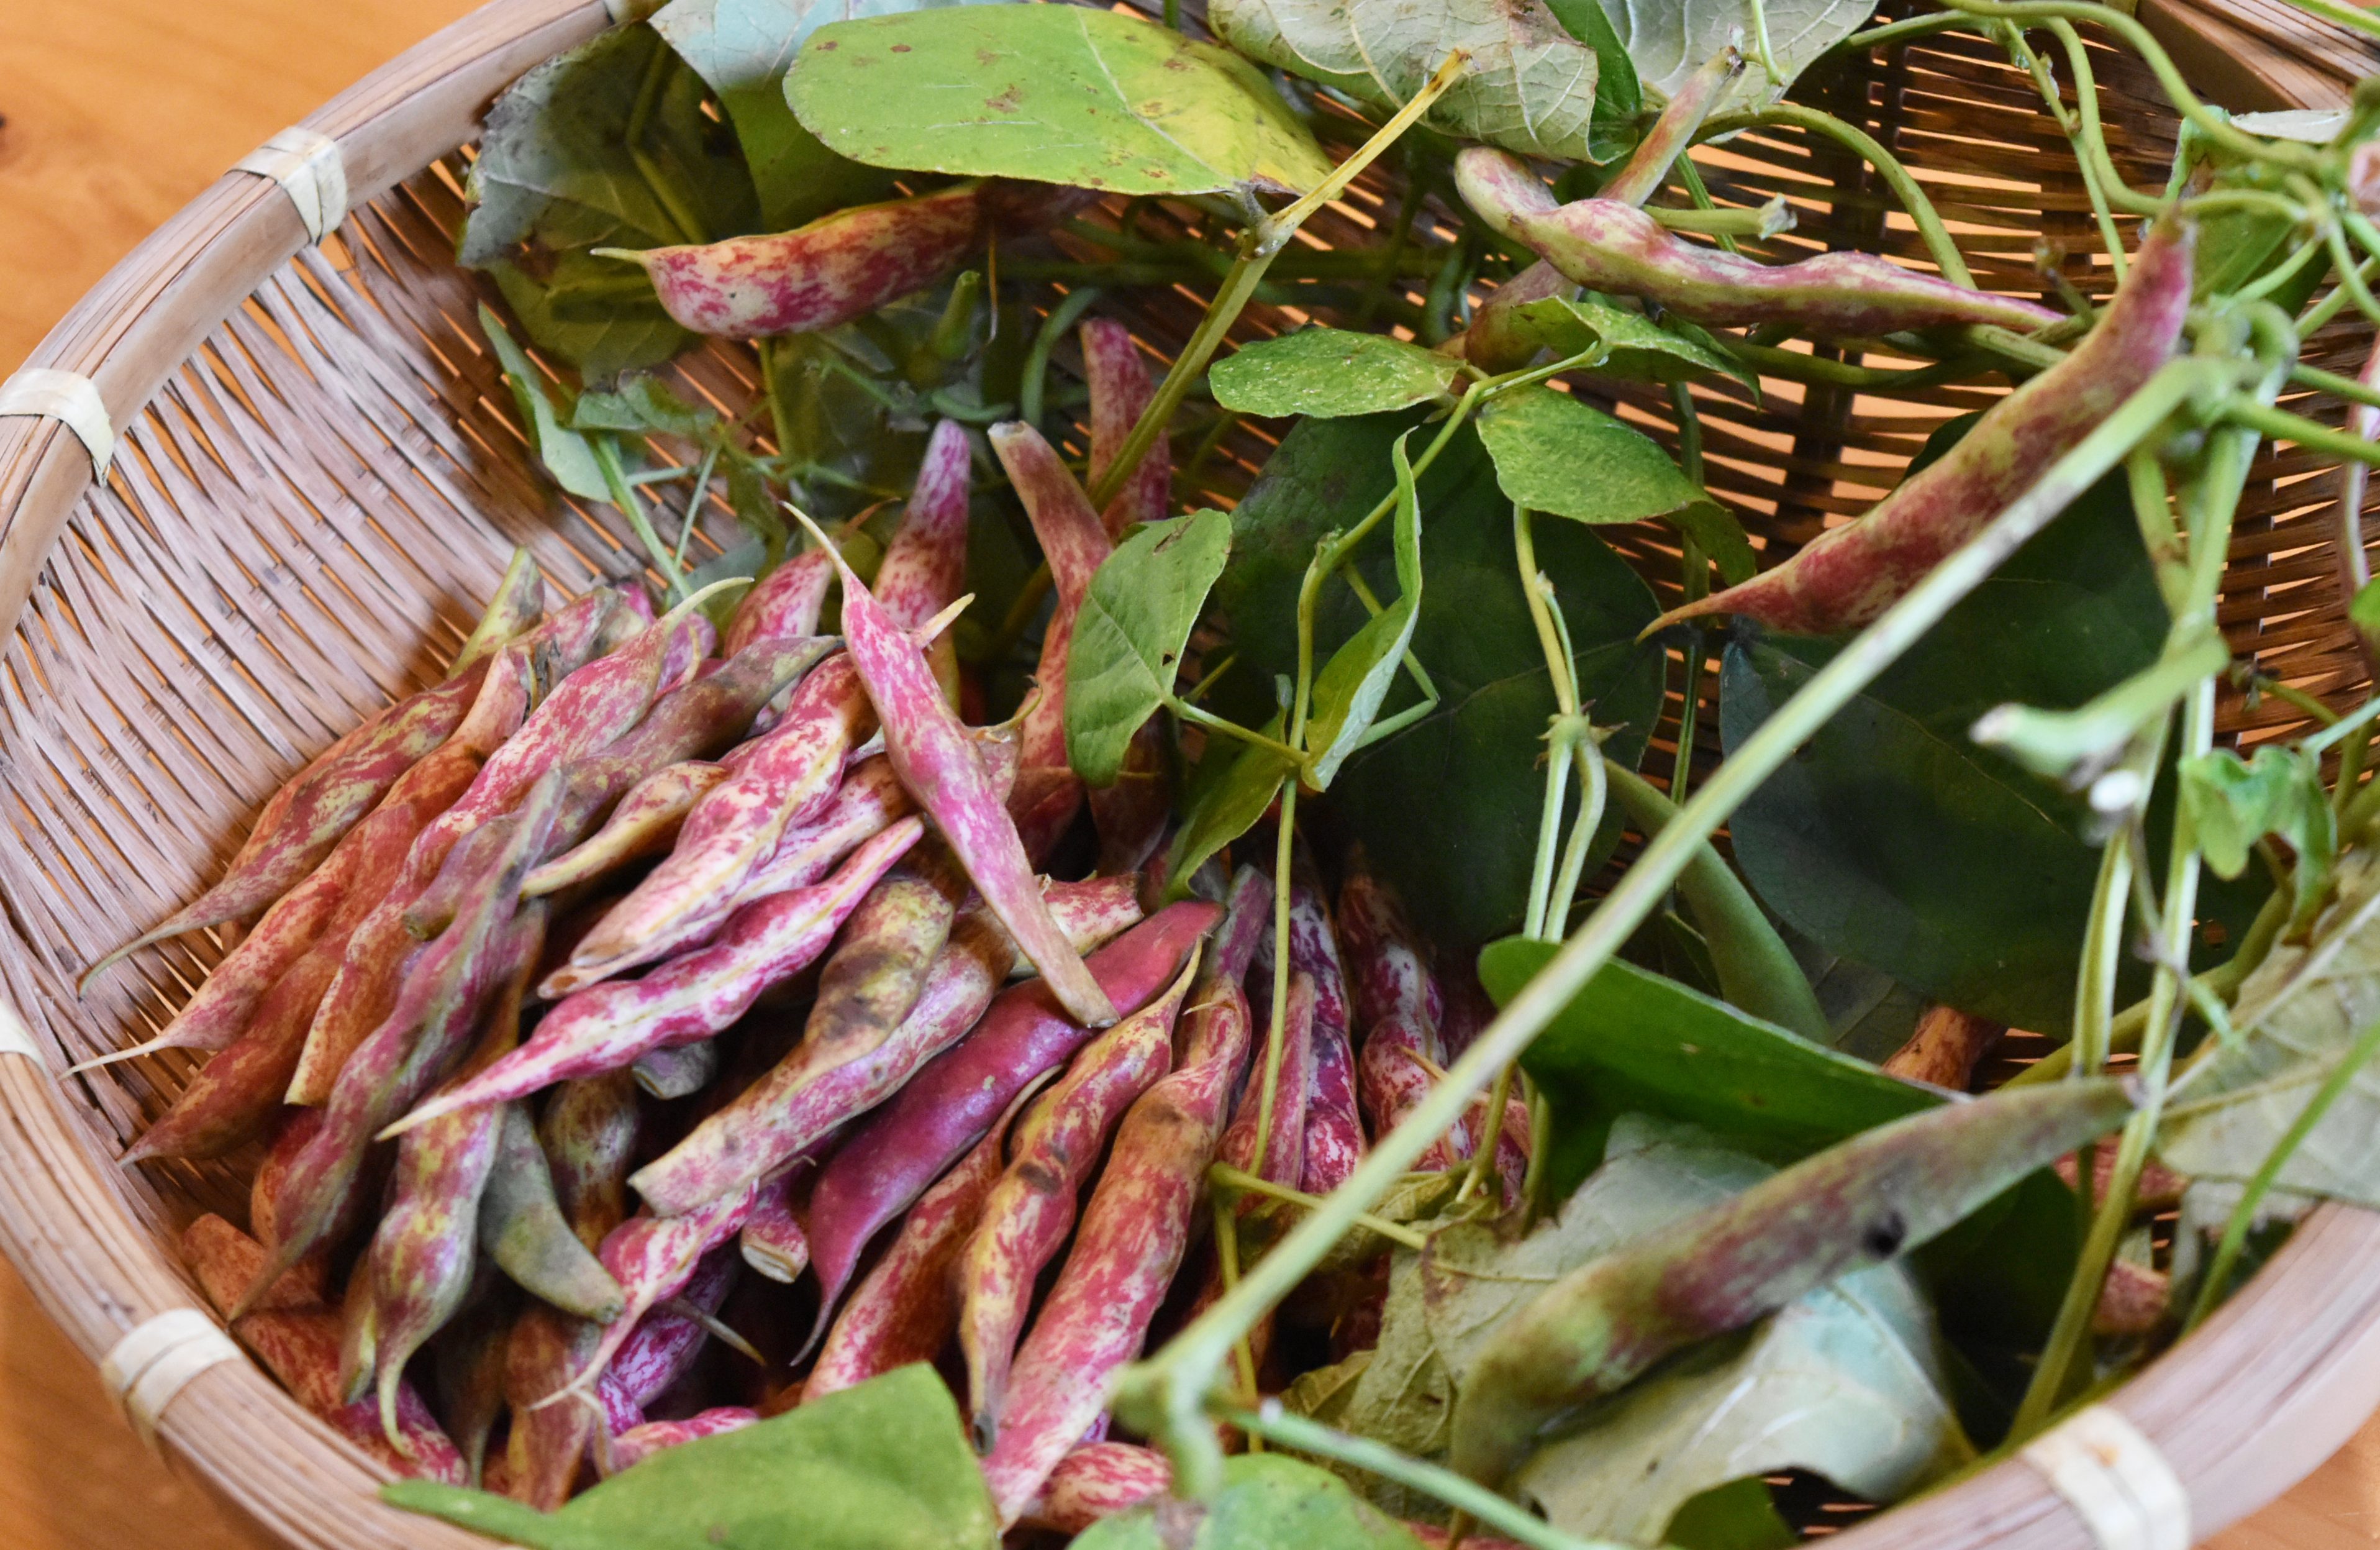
{"x": 1031, "y": 1209}
{"x": 606, "y": 1027}
{"x": 937, "y": 761}
{"x": 1096, "y": 1480}
{"x": 1611, "y": 246}
{"x": 646, "y": 821}
{"x": 806, "y": 1097}
{"x": 639, "y": 1442}
{"x": 787, "y": 775}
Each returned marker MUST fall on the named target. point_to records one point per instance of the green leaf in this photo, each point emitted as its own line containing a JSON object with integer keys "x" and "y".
{"x": 1560, "y": 455}
{"x": 1530, "y": 86}
{"x": 1893, "y": 840}
{"x": 883, "y": 1466}
{"x": 1462, "y": 864}
{"x": 596, "y": 314}
{"x": 1845, "y": 1383}
{"x": 1619, "y": 97}
{"x": 1348, "y": 692}
{"x": 1054, "y": 94}
{"x": 1233, "y": 784}
{"x": 555, "y": 168}
{"x": 1670, "y": 41}
{"x": 1633, "y": 345}
{"x": 2363, "y": 611}
{"x": 1331, "y": 372}
{"x": 642, "y": 406}
{"x": 744, "y": 49}
{"x": 1128, "y": 641}
{"x": 2301, "y": 1010}
{"x": 1268, "y": 1502}
{"x": 2232, "y": 803}
{"x": 1738, "y": 1516}
{"x": 1634, "y": 1041}
{"x": 563, "y": 451}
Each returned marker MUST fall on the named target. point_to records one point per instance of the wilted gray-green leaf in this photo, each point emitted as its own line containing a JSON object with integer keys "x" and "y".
{"x": 1348, "y": 692}
{"x": 1530, "y": 85}
{"x": 1329, "y": 372}
{"x": 1127, "y": 646}
{"x": 1846, "y": 1384}
{"x": 563, "y": 451}
{"x": 2303, "y": 1009}
{"x": 1056, "y": 93}
{"x": 554, "y": 169}
{"x": 1233, "y": 784}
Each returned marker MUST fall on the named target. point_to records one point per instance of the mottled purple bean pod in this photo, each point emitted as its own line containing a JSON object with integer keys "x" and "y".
{"x": 1611, "y": 246}
{"x": 610, "y": 1026}
{"x": 787, "y": 777}
{"x": 804, "y": 1098}
{"x": 1031, "y": 1209}
{"x": 773, "y": 1241}
{"x": 589, "y": 1133}
{"x": 1120, "y": 393}
{"x": 638, "y": 1443}
{"x": 1096, "y": 1480}
{"x": 646, "y": 822}
{"x": 948, "y": 1106}
{"x": 937, "y": 761}
{"x": 1849, "y": 575}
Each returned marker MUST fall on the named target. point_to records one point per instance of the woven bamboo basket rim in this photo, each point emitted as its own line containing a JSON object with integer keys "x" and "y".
{"x": 2294, "y": 1357}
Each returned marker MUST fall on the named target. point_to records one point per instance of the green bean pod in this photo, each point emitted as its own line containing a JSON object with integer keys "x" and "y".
{"x": 522, "y": 1227}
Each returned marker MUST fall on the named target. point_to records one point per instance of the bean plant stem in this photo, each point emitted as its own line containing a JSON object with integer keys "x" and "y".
{"x": 1229, "y": 1177}
{"x": 1257, "y": 246}
{"x": 2208, "y": 506}
{"x": 1035, "y": 378}
{"x": 2112, "y": 240}
{"x": 1284, "y": 853}
{"x": 1859, "y": 143}
{"x": 1165, "y": 1396}
{"x": 607, "y": 457}
{"x": 1695, "y": 580}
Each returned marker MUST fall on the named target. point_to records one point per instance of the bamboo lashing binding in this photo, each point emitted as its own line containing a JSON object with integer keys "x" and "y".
{"x": 17, "y": 1039}
{"x": 70, "y": 398}
{"x": 308, "y": 165}
{"x": 2116, "y": 1481}
{"x": 156, "y": 1360}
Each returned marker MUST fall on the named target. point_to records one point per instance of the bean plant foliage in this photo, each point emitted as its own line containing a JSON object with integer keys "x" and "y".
{"x": 1292, "y": 508}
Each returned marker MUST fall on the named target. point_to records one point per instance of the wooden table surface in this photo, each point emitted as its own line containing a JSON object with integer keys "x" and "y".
{"x": 117, "y": 112}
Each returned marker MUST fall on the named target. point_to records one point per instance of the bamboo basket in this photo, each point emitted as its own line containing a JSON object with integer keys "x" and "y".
{"x": 316, "y": 476}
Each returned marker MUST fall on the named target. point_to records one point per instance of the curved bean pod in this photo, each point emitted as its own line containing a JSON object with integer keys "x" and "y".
{"x": 1849, "y": 574}
{"x": 1031, "y": 1208}
{"x": 639, "y": 1442}
{"x": 646, "y": 821}
{"x": 1096, "y": 1480}
{"x": 523, "y": 1231}
{"x": 1611, "y": 246}
{"x": 804, "y": 1098}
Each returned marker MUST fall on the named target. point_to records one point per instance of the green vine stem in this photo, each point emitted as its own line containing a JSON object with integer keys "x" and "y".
{"x": 1859, "y": 143}
{"x": 2208, "y": 507}
{"x": 1035, "y": 379}
{"x": 1693, "y": 578}
{"x": 1257, "y": 246}
{"x": 1284, "y": 855}
{"x": 1165, "y": 1396}
{"x": 2084, "y": 85}
{"x": 615, "y": 477}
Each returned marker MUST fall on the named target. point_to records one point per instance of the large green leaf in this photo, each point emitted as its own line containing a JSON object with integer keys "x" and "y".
{"x": 1563, "y": 457}
{"x": 1530, "y": 86}
{"x": 1670, "y": 41}
{"x": 1329, "y": 372}
{"x": 1055, "y": 93}
{"x": 1142, "y": 605}
{"x": 1268, "y": 1502}
{"x": 884, "y": 1466}
{"x": 1893, "y": 840}
{"x": 1461, "y": 857}
{"x": 1635, "y": 1041}
{"x": 2303, "y": 1009}
{"x": 743, "y": 49}
{"x": 555, "y": 170}
{"x": 1619, "y": 96}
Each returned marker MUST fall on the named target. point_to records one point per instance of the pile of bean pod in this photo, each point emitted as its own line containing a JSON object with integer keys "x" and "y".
{"x": 638, "y": 955}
